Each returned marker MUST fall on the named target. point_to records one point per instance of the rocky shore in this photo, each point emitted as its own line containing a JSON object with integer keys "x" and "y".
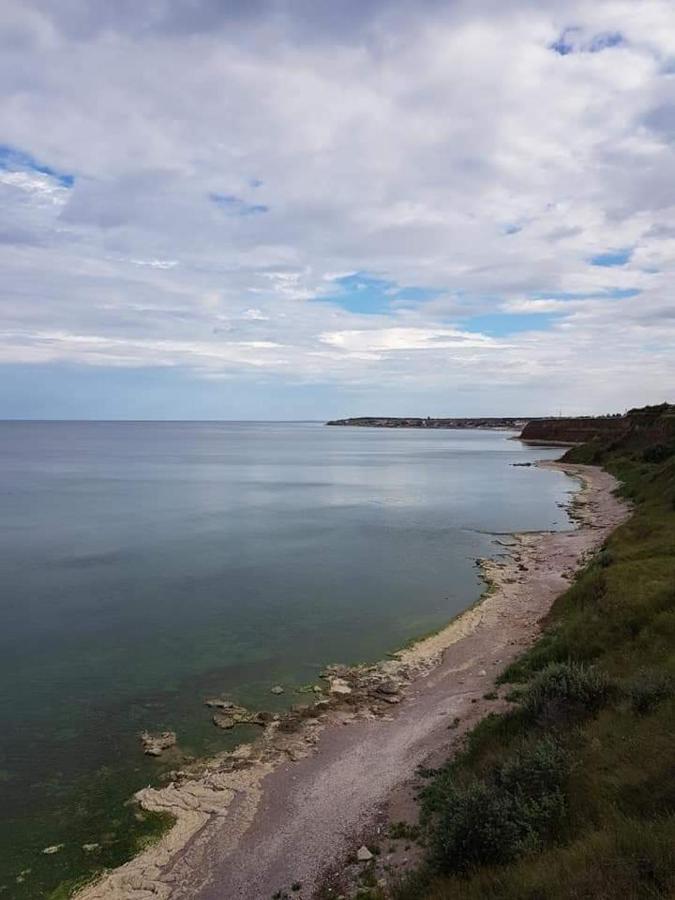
{"x": 301, "y": 802}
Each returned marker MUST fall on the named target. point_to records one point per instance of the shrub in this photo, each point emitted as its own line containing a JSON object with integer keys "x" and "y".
{"x": 566, "y": 688}
{"x": 413, "y": 885}
{"x": 591, "y": 586}
{"x": 605, "y": 558}
{"x": 404, "y": 830}
{"x": 658, "y": 453}
{"x": 648, "y": 689}
{"x": 518, "y": 808}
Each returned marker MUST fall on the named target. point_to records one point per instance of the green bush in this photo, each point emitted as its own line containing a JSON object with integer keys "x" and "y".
{"x": 566, "y": 688}
{"x": 648, "y": 689}
{"x": 658, "y": 453}
{"x": 404, "y": 830}
{"x": 630, "y": 860}
{"x": 605, "y": 558}
{"x": 518, "y": 808}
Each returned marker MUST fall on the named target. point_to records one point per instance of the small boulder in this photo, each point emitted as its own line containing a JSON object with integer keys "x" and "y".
{"x": 220, "y": 703}
{"x": 222, "y": 720}
{"x": 243, "y": 751}
{"x": 388, "y": 687}
{"x": 155, "y": 744}
{"x": 363, "y": 854}
{"x": 277, "y": 689}
{"x": 239, "y": 715}
{"x": 53, "y": 849}
{"x": 339, "y": 686}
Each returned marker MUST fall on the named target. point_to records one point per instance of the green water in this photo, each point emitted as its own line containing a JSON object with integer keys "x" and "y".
{"x": 145, "y": 566}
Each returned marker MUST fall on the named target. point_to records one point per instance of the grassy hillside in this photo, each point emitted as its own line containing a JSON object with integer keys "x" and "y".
{"x": 571, "y": 794}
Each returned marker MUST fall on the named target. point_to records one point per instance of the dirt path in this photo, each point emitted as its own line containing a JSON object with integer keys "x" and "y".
{"x": 282, "y": 820}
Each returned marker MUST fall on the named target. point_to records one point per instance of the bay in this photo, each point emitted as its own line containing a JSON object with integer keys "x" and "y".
{"x": 146, "y": 565}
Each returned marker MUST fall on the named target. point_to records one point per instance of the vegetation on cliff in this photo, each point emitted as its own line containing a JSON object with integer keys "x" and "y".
{"x": 571, "y": 793}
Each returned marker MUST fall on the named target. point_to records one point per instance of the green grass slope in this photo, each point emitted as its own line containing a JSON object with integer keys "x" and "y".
{"x": 571, "y": 794}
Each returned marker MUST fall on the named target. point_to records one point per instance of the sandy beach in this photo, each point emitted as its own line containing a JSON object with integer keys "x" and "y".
{"x": 298, "y": 802}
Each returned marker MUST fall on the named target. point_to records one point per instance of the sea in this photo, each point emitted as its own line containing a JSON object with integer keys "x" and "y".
{"x": 145, "y": 566}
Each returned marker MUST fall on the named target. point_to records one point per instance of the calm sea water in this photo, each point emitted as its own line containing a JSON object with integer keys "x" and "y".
{"x": 144, "y": 566}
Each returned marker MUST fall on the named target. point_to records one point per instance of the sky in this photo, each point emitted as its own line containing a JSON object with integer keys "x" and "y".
{"x": 300, "y": 209}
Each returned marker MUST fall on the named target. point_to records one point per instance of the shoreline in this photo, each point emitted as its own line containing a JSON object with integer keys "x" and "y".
{"x": 234, "y": 833}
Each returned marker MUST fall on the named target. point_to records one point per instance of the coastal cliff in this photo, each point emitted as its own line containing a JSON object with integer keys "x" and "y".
{"x": 652, "y": 426}
{"x": 573, "y": 430}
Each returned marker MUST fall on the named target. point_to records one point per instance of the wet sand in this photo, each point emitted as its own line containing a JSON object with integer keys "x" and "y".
{"x": 282, "y": 811}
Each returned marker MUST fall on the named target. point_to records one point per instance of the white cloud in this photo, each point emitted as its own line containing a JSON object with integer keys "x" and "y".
{"x": 439, "y": 146}
{"x": 156, "y": 263}
{"x": 392, "y": 339}
{"x": 255, "y": 315}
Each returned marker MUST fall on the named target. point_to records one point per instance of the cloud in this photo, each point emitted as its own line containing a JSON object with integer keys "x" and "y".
{"x": 341, "y": 193}
{"x": 394, "y": 339}
{"x": 238, "y": 206}
{"x": 573, "y": 40}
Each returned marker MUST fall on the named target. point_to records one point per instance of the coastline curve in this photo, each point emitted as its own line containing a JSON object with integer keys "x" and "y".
{"x": 282, "y": 809}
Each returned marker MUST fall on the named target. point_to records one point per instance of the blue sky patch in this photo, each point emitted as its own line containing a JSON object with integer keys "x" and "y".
{"x": 363, "y": 293}
{"x": 622, "y": 293}
{"x": 569, "y": 42}
{"x": 238, "y": 206}
{"x": 563, "y": 46}
{"x": 604, "y": 41}
{"x": 14, "y": 160}
{"x": 503, "y": 324}
{"x": 611, "y": 293}
{"x": 612, "y": 257}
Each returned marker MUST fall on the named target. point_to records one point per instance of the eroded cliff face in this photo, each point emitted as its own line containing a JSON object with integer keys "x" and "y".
{"x": 574, "y": 430}
{"x": 649, "y": 427}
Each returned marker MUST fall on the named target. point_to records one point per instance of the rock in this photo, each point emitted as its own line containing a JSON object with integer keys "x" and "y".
{"x": 317, "y": 689}
{"x": 53, "y": 849}
{"x": 239, "y": 715}
{"x": 243, "y": 751}
{"x": 339, "y": 686}
{"x": 388, "y": 687}
{"x": 155, "y": 744}
{"x": 363, "y": 854}
{"x": 277, "y": 689}
{"x": 222, "y": 720}
{"x": 89, "y": 848}
{"x": 390, "y": 699}
{"x": 220, "y": 703}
